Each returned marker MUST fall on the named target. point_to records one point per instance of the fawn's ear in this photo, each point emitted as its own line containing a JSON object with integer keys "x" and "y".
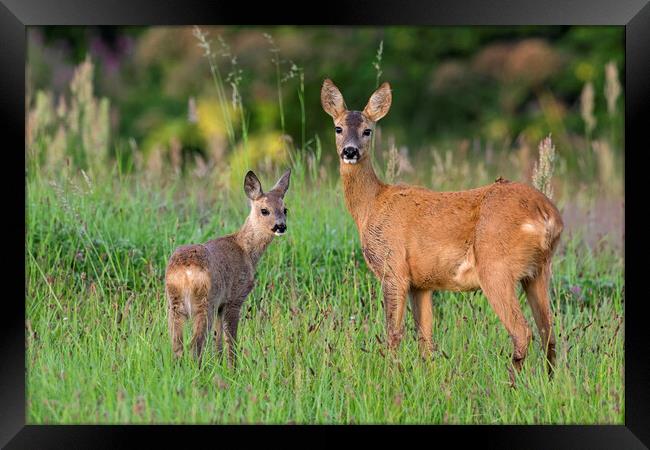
{"x": 379, "y": 103}
{"x": 252, "y": 186}
{"x": 283, "y": 183}
{"x": 332, "y": 99}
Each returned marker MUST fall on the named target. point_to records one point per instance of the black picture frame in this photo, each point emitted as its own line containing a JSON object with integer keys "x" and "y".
{"x": 16, "y": 15}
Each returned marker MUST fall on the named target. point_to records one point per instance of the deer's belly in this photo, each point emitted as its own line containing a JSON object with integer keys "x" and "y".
{"x": 437, "y": 262}
{"x": 444, "y": 271}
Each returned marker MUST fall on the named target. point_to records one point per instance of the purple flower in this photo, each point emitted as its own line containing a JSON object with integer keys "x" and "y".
{"x": 575, "y": 290}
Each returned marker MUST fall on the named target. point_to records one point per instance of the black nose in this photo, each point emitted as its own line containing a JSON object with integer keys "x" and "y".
{"x": 350, "y": 153}
{"x": 279, "y": 227}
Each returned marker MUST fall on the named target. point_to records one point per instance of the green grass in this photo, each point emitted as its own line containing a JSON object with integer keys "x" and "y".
{"x": 311, "y": 335}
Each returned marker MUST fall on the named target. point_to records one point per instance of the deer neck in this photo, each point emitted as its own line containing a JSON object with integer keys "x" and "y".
{"x": 253, "y": 240}
{"x": 360, "y": 187}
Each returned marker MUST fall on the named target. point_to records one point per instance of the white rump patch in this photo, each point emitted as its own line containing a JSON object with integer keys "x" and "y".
{"x": 187, "y": 302}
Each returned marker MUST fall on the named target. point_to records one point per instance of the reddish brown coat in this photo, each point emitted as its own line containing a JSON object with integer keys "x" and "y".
{"x": 416, "y": 240}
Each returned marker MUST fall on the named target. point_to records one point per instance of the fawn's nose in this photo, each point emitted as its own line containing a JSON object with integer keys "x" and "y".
{"x": 279, "y": 228}
{"x": 350, "y": 154}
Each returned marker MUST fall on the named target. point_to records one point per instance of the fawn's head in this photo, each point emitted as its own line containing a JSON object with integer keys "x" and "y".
{"x": 354, "y": 128}
{"x": 268, "y": 213}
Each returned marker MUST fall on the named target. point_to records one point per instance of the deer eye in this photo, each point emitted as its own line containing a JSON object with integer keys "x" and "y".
{"x": 367, "y": 132}
{"x": 338, "y": 130}
{"x": 285, "y": 211}
{"x": 265, "y": 212}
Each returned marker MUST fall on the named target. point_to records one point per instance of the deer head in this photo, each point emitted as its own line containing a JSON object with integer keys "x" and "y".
{"x": 268, "y": 213}
{"x": 354, "y": 128}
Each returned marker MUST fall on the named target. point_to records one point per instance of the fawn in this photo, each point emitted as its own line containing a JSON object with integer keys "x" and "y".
{"x": 416, "y": 240}
{"x": 213, "y": 279}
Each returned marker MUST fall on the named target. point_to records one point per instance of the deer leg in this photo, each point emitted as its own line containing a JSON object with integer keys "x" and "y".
{"x": 175, "y": 320}
{"x": 218, "y": 332}
{"x": 500, "y": 292}
{"x": 538, "y": 298}
{"x": 231, "y": 322}
{"x": 422, "y": 309}
{"x": 203, "y": 316}
{"x": 394, "y": 302}
{"x": 200, "y": 329}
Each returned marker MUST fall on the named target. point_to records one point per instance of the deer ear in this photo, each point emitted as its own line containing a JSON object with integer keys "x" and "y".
{"x": 379, "y": 103}
{"x": 252, "y": 186}
{"x": 283, "y": 183}
{"x": 332, "y": 99}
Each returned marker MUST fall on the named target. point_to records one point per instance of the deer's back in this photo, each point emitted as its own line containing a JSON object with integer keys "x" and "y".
{"x": 437, "y": 239}
{"x": 219, "y": 263}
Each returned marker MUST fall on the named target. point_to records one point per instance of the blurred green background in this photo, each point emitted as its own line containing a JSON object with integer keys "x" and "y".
{"x": 449, "y": 82}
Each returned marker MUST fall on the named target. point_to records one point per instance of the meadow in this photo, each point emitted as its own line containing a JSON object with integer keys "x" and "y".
{"x": 311, "y": 339}
{"x": 311, "y": 336}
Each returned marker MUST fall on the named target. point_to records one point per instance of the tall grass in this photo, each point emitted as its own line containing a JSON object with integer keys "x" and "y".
{"x": 275, "y": 59}
{"x": 543, "y": 170}
{"x": 205, "y": 44}
{"x": 74, "y": 130}
{"x": 376, "y": 65}
{"x": 311, "y": 337}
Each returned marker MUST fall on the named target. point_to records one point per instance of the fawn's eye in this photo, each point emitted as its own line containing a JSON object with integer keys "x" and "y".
{"x": 367, "y": 132}
{"x": 265, "y": 212}
{"x": 285, "y": 211}
{"x": 338, "y": 130}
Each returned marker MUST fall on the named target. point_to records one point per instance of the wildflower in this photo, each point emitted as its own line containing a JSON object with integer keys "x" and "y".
{"x": 576, "y": 290}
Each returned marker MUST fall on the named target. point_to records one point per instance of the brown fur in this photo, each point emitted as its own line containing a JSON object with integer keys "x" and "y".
{"x": 211, "y": 281}
{"x": 416, "y": 240}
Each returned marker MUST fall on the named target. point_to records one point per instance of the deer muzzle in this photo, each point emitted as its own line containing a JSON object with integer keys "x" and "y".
{"x": 350, "y": 155}
{"x": 279, "y": 229}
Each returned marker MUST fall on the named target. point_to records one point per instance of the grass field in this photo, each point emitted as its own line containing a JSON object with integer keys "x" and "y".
{"x": 311, "y": 338}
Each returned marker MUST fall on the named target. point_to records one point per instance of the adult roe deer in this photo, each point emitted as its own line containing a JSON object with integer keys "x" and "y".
{"x": 416, "y": 240}
{"x": 213, "y": 279}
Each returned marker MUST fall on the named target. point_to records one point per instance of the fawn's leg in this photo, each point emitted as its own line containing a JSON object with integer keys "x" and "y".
{"x": 218, "y": 331}
{"x": 203, "y": 315}
{"x": 175, "y": 319}
{"x": 499, "y": 289}
{"x": 231, "y": 322}
{"x": 538, "y": 298}
{"x": 394, "y": 302}
{"x": 422, "y": 309}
